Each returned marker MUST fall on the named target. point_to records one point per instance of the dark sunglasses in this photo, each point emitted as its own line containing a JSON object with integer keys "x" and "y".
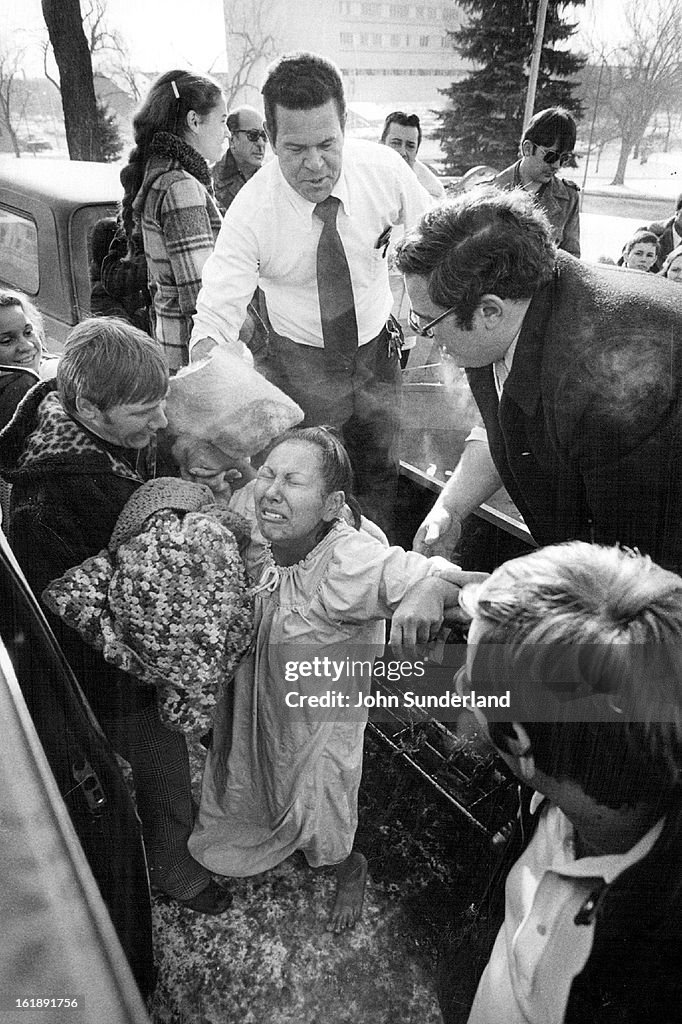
{"x": 252, "y": 134}
{"x": 552, "y": 157}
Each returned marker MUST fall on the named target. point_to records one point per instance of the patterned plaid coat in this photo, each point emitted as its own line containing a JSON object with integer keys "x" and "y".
{"x": 180, "y": 221}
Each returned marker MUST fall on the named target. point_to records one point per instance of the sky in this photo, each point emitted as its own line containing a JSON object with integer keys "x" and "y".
{"x": 163, "y": 33}
{"x": 159, "y": 33}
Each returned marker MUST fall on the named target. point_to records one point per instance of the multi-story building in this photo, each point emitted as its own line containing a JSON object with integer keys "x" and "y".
{"x": 391, "y": 52}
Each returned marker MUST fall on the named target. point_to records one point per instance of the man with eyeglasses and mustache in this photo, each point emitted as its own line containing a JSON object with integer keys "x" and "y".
{"x": 244, "y": 157}
{"x": 576, "y": 370}
{"x": 547, "y": 145}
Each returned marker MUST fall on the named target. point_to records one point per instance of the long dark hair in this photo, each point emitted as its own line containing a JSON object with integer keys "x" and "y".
{"x": 337, "y": 472}
{"x": 164, "y": 109}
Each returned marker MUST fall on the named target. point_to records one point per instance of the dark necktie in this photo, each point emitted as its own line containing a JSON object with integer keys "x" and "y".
{"x": 334, "y": 287}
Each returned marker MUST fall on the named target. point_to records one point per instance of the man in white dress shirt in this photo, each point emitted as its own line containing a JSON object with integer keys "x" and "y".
{"x": 270, "y": 237}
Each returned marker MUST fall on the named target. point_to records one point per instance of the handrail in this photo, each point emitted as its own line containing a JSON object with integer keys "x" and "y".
{"x": 487, "y": 511}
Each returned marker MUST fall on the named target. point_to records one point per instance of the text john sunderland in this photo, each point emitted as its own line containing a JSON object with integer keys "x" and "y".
{"x": 408, "y": 699}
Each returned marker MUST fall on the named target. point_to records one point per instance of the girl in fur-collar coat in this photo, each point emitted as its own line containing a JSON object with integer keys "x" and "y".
{"x": 169, "y": 208}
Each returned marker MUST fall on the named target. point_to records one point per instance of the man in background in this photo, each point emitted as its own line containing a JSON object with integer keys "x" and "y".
{"x": 243, "y": 158}
{"x": 403, "y": 133}
{"x": 547, "y": 145}
{"x": 576, "y": 370}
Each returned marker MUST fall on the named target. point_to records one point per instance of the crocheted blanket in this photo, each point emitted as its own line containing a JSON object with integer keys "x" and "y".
{"x": 168, "y": 601}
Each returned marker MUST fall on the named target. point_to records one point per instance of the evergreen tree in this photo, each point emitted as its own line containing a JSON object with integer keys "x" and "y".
{"x": 483, "y": 121}
{"x": 109, "y": 141}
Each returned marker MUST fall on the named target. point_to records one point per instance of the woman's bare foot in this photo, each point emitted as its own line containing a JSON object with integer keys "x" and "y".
{"x": 351, "y": 875}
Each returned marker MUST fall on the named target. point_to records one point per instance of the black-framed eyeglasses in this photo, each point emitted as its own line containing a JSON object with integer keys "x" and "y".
{"x": 427, "y": 330}
{"x": 252, "y": 134}
{"x": 552, "y": 157}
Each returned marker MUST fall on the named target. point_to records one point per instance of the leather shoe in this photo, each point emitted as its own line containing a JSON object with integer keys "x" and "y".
{"x": 211, "y": 900}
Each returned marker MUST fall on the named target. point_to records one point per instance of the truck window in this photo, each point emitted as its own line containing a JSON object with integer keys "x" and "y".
{"x": 18, "y": 252}
{"x": 82, "y": 222}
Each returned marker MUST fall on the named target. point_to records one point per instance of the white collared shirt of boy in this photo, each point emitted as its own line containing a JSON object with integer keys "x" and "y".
{"x": 269, "y": 237}
{"x": 540, "y": 949}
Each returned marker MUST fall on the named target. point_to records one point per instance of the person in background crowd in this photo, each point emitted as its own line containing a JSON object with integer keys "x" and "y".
{"x": 243, "y": 158}
{"x": 640, "y": 252}
{"x": 74, "y": 453}
{"x": 127, "y": 306}
{"x": 547, "y": 144}
{"x": 403, "y": 133}
{"x": 313, "y": 228}
{"x": 241, "y": 161}
{"x": 669, "y": 233}
{"x": 576, "y": 369}
{"x": 587, "y": 641}
{"x": 672, "y": 265}
{"x": 119, "y": 277}
{"x": 23, "y": 360}
{"x": 169, "y": 210}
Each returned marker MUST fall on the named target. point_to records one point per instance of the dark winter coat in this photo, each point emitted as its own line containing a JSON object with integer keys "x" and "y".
{"x": 68, "y": 488}
{"x": 558, "y": 200}
{"x": 588, "y": 434}
{"x": 123, "y": 279}
{"x": 14, "y": 383}
{"x": 227, "y": 180}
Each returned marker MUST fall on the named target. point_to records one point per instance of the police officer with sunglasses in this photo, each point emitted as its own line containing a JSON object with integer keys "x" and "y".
{"x": 547, "y": 145}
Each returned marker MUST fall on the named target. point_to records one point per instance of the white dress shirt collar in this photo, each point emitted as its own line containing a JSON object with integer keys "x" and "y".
{"x": 303, "y": 206}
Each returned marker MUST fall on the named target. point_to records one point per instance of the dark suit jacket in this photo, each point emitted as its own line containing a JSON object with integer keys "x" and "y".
{"x": 588, "y": 434}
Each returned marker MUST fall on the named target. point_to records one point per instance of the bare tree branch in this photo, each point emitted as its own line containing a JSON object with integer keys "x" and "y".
{"x": 645, "y": 74}
{"x": 47, "y": 49}
{"x": 10, "y": 109}
{"x": 251, "y": 42}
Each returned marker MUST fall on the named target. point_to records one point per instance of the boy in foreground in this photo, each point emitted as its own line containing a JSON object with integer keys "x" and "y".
{"x": 589, "y": 642}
